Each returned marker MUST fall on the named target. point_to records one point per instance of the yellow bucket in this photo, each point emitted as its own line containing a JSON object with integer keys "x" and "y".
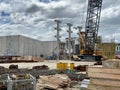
{"x": 71, "y": 66}
{"x": 61, "y": 66}
{"x": 65, "y": 66}
{"x": 58, "y": 66}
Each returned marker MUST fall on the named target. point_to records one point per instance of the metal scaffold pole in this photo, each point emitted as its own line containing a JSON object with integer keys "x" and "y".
{"x": 58, "y": 37}
{"x": 69, "y": 39}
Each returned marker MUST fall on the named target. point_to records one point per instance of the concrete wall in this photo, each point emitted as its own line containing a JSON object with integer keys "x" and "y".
{"x": 9, "y": 45}
{"x": 29, "y": 46}
{"x": 3, "y": 48}
{"x": 17, "y": 45}
{"x": 49, "y": 47}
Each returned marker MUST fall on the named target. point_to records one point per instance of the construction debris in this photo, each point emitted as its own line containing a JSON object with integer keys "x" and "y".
{"x": 49, "y": 79}
{"x": 81, "y": 68}
{"x": 13, "y": 66}
{"x": 98, "y": 63}
{"x": 1, "y": 67}
{"x": 53, "y": 82}
{"x": 42, "y": 67}
{"x": 77, "y": 77}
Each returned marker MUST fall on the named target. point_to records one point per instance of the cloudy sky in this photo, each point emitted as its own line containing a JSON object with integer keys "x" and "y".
{"x": 35, "y": 18}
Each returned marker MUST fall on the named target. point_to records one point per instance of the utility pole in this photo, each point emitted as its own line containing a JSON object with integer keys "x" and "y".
{"x": 58, "y": 37}
{"x": 69, "y": 39}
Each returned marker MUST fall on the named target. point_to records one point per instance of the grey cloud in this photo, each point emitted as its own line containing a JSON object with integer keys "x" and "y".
{"x": 34, "y": 8}
{"x": 108, "y": 3}
{"x": 112, "y": 21}
{"x": 41, "y": 17}
{"x": 61, "y": 12}
{"x": 38, "y": 20}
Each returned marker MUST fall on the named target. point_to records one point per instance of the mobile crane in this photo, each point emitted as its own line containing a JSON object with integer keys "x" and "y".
{"x": 89, "y": 38}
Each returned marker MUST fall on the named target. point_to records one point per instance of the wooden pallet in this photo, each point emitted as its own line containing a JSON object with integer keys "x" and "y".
{"x": 105, "y": 82}
{"x": 101, "y": 87}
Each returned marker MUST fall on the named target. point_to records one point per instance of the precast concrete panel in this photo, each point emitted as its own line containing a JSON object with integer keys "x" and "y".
{"x": 21, "y": 46}
{"x": 41, "y": 48}
{"x": 49, "y": 46}
{"x": 1, "y": 53}
{"x": 33, "y": 47}
{"x": 37, "y": 48}
{"x": 25, "y": 48}
{"x": 31, "y": 41}
{"x": 30, "y": 46}
{"x": 2, "y": 45}
{"x": 12, "y": 44}
{"x": 46, "y": 49}
{"x": 15, "y": 47}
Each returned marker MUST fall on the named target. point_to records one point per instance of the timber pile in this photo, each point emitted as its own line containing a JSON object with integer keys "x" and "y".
{"x": 105, "y": 77}
{"x": 27, "y": 59}
{"x": 53, "y": 82}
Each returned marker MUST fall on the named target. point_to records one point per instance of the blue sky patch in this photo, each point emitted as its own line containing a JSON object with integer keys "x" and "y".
{"x": 3, "y": 13}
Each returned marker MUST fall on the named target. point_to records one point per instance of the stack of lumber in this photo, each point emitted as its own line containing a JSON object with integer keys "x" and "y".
{"x": 36, "y": 59}
{"x": 105, "y": 77}
{"x": 27, "y": 58}
{"x": 53, "y": 82}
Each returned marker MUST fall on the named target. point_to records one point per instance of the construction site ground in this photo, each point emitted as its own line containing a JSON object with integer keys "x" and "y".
{"x": 46, "y": 75}
{"x": 50, "y": 63}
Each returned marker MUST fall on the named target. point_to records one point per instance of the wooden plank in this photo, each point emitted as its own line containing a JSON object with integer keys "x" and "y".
{"x": 106, "y": 82}
{"x": 14, "y": 58}
{"x": 100, "y": 87}
{"x": 38, "y": 59}
{"x": 28, "y": 58}
{"x": 104, "y": 76}
{"x": 100, "y": 69}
